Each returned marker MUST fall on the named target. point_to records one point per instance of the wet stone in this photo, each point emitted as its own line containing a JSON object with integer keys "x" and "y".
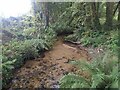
{"x": 56, "y": 86}
{"x": 66, "y": 61}
{"x": 53, "y": 65}
{"x": 53, "y": 68}
{"x": 27, "y": 81}
{"x": 65, "y": 73}
{"x": 45, "y": 79}
{"x": 62, "y": 69}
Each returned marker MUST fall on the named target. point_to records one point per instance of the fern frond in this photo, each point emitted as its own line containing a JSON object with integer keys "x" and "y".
{"x": 104, "y": 74}
{"x": 72, "y": 80}
{"x": 96, "y": 80}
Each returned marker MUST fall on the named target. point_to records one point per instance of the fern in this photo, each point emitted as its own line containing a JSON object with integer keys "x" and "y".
{"x": 103, "y": 72}
{"x": 6, "y": 67}
{"x": 73, "y": 81}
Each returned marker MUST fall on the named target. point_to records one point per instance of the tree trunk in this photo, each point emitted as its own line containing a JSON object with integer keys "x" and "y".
{"x": 34, "y": 7}
{"x": 46, "y": 15}
{"x": 95, "y": 16}
{"x": 119, "y": 30}
{"x": 119, "y": 16}
{"x": 109, "y": 15}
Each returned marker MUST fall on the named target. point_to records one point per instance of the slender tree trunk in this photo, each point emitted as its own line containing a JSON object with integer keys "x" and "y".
{"x": 34, "y": 7}
{"x": 119, "y": 31}
{"x": 109, "y": 15}
{"x": 95, "y": 16}
{"x": 97, "y": 7}
{"x": 46, "y": 15}
{"x": 119, "y": 16}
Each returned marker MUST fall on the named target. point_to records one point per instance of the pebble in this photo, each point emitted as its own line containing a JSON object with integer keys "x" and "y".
{"x": 14, "y": 81}
{"x": 62, "y": 69}
{"x": 52, "y": 78}
{"x": 56, "y": 87}
{"x": 66, "y": 61}
{"x": 27, "y": 81}
{"x": 65, "y": 73}
{"x": 53, "y": 68}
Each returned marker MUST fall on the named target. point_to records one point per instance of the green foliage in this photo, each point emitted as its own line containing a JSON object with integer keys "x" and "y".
{"x": 63, "y": 18}
{"x": 28, "y": 49}
{"x": 62, "y": 28}
{"x": 112, "y": 41}
{"x": 6, "y": 67}
{"x": 70, "y": 18}
{"x": 76, "y": 36}
{"x": 73, "y": 81}
{"x": 13, "y": 56}
{"x": 15, "y": 53}
{"x": 71, "y": 38}
{"x": 48, "y": 36}
{"x": 29, "y": 31}
{"x": 88, "y": 38}
{"x": 103, "y": 73}
{"x": 93, "y": 40}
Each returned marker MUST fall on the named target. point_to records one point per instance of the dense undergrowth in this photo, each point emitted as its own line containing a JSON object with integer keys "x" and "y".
{"x": 102, "y": 73}
{"x": 106, "y": 40}
{"x": 103, "y": 68}
{"x": 15, "y": 53}
{"x": 78, "y": 20}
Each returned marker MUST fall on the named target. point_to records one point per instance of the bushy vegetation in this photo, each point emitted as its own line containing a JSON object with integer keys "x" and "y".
{"x": 15, "y": 53}
{"x": 103, "y": 73}
{"x": 89, "y": 23}
{"x": 92, "y": 29}
{"x": 108, "y": 40}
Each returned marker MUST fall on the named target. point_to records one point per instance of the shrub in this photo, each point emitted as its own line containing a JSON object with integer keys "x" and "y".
{"x": 13, "y": 56}
{"x": 71, "y": 38}
{"x": 62, "y": 28}
{"x": 6, "y": 67}
{"x": 48, "y": 36}
{"x": 28, "y": 49}
{"x": 15, "y": 53}
{"x": 103, "y": 74}
{"x": 88, "y": 38}
{"x": 30, "y": 33}
{"x": 76, "y": 36}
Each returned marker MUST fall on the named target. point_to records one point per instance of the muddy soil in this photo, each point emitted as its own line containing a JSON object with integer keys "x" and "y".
{"x": 46, "y": 72}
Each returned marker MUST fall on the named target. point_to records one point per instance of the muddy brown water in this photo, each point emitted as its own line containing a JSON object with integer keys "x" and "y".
{"x": 46, "y": 72}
